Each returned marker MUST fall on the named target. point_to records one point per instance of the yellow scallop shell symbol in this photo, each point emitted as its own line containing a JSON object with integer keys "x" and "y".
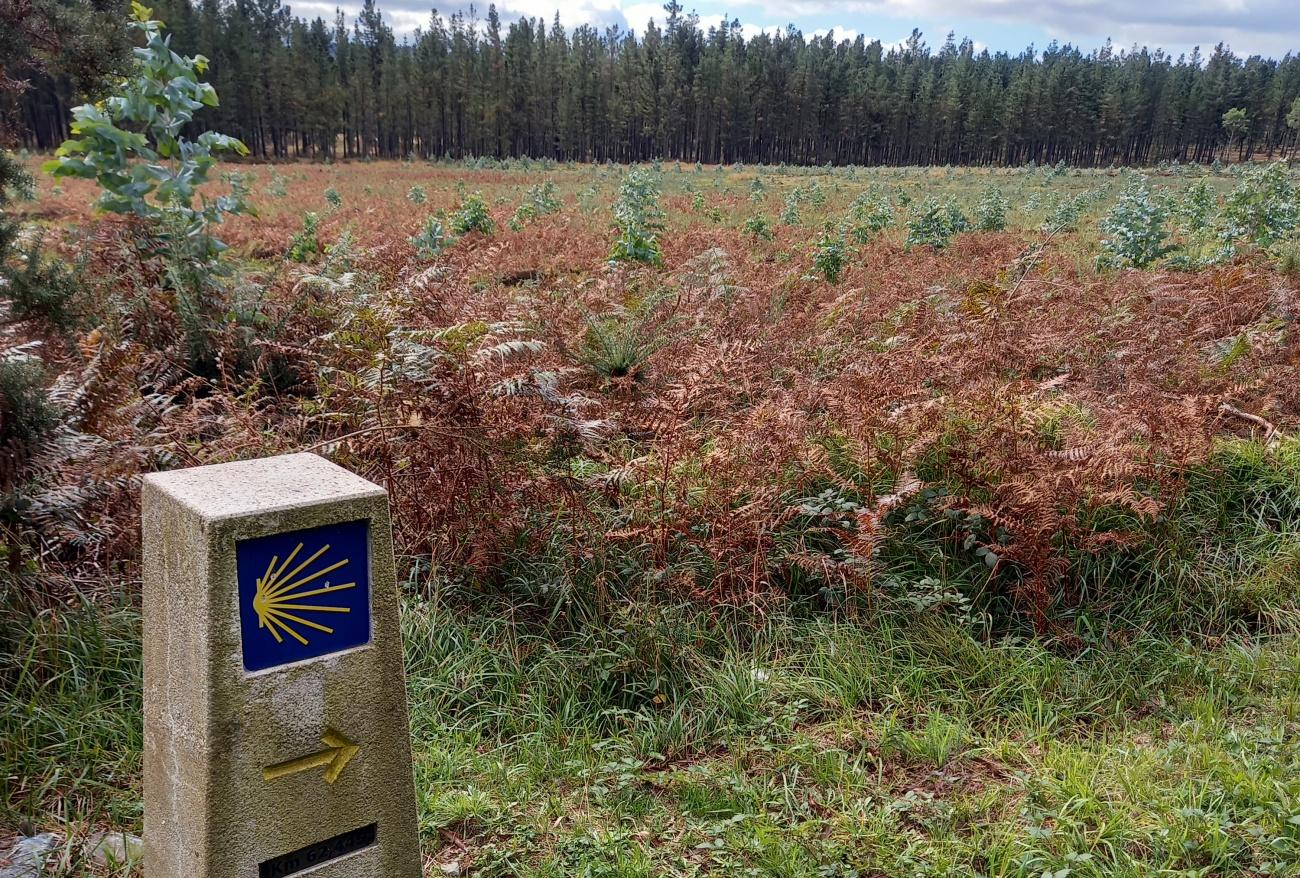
{"x": 280, "y": 595}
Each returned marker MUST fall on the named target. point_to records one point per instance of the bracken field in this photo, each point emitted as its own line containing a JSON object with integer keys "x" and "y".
{"x": 753, "y": 521}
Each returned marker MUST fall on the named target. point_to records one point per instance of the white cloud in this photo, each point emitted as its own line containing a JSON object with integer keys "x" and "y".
{"x": 752, "y": 30}
{"x": 572, "y": 12}
{"x": 1250, "y": 26}
{"x": 639, "y": 15}
{"x": 841, "y": 33}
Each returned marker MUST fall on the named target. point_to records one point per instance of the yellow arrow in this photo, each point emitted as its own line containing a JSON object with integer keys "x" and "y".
{"x": 337, "y": 754}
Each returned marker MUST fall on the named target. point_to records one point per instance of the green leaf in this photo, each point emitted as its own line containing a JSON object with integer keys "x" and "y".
{"x": 58, "y": 167}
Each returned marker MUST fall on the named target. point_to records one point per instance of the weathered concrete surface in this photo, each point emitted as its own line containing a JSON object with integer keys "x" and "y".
{"x": 211, "y": 727}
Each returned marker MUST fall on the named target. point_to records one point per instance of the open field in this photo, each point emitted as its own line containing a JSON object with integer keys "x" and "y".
{"x": 744, "y": 416}
{"x": 828, "y": 539}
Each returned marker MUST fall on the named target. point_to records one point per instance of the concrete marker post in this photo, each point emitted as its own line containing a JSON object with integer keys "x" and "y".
{"x": 277, "y": 738}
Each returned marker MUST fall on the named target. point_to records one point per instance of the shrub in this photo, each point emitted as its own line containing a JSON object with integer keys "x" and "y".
{"x": 155, "y": 172}
{"x": 1197, "y": 208}
{"x": 524, "y": 214}
{"x": 1065, "y": 216}
{"x": 1263, "y": 208}
{"x": 870, "y": 213}
{"x": 544, "y": 198}
{"x": 333, "y": 198}
{"x": 473, "y": 216}
{"x": 934, "y": 223}
{"x": 758, "y": 227}
{"x": 639, "y": 220}
{"x": 134, "y": 146}
{"x": 41, "y": 289}
{"x": 790, "y": 213}
{"x": 829, "y": 256}
{"x": 27, "y": 421}
{"x": 432, "y": 240}
{"x": 26, "y": 414}
{"x": 635, "y": 245}
{"x": 277, "y": 188}
{"x": 14, "y": 183}
{"x": 1135, "y": 228}
{"x": 1286, "y": 256}
{"x": 304, "y": 245}
{"x": 416, "y": 195}
{"x": 957, "y": 220}
{"x": 540, "y": 200}
{"x": 991, "y": 211}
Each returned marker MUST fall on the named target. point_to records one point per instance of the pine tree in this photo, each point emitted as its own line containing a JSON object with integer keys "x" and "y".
{"x": 1293, "y": 122}
{"x": 1235, "y": 125}
{"x": 698, "y": 92}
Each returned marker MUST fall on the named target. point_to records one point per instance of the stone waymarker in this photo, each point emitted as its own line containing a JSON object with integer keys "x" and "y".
{"x": 277, "y": 740}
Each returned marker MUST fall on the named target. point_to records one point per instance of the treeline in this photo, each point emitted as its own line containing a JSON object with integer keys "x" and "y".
{"x": 462, "y": 86}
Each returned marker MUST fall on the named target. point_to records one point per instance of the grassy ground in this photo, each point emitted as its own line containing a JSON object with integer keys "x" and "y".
{"x": 820, "y": 749}
{"x": 665, "y": 743}
{"x": 377, "y": 201}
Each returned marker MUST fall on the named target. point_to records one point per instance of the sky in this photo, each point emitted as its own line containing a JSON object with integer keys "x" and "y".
{"x": 1249, "y": 27}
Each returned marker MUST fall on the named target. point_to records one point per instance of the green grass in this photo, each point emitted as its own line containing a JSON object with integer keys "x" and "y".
{"x": 818, "y": 748}
{"x": 664, "y": 743}
{"x": 70, "y": 725}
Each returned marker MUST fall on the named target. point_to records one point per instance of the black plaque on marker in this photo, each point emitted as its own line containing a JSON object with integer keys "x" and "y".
{"x": 320, "y": 852}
